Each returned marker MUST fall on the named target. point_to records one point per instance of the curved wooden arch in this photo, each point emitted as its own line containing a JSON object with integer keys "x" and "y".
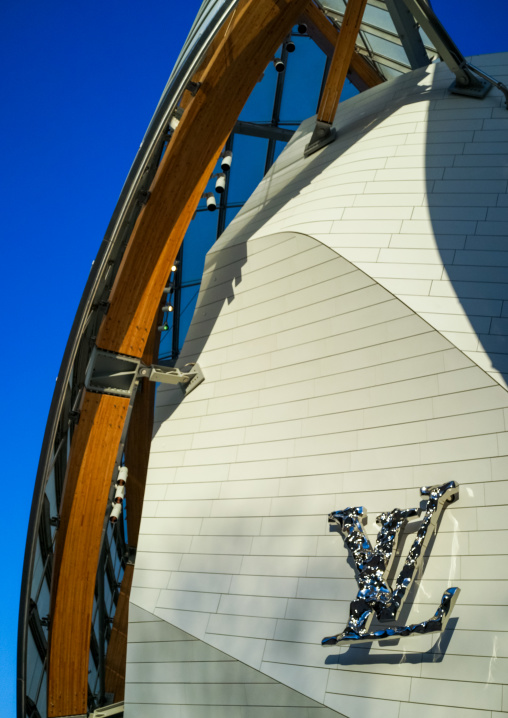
{"x": 232, "y": 67}
{"x": 254, "y": 32}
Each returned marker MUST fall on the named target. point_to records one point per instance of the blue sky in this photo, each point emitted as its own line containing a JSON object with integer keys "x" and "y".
{"x": 79, "y": 84}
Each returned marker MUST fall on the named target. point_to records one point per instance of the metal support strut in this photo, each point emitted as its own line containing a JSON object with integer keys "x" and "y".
{"x": 117, "y": 374}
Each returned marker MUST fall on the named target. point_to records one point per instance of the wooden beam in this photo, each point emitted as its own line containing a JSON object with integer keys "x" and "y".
{"x": 341, "y": 60}
{"x": 137, "y": 452}
{"x": 325, "y": 35}
{"x": 212, "y": 49}
{"x": 254, "y": 33}
{"x": 90, "y": 469}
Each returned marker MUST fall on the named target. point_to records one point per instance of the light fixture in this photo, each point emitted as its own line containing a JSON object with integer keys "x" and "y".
{"x": 175, "y": 118}
{"x": 123, "y": 472}
{"x": 211, "y": 202}
{"x": 220, "y": 183}
{"x": 115, "y": 512}
{"x": 175, "y": 265}
{"x": 169, "y": 289}
{"x": 278, "y": 64}
{"x": 163, "y": 327}
{"x": 119, "y": 494}
{"x": 302, "y": 28}
{"x": 290, "y": 46}
{"x": 227, "y": 158}
{"x": 167, "y": 308}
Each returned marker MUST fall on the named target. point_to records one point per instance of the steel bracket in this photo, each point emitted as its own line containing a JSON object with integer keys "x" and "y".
{"x": 490, "y": 80}
{"x": 111, "y": 373}
{"x": 193, "y": 87}
{"x": 113, "y": 709}
{"x": 323, "y": 135}
{"x": 187, "y": 381}
{"x": 117, "y": 374}
{"x": 478, "y": 88}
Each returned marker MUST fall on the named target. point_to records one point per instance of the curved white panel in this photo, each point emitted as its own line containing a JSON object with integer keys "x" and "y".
{"x": 324, "y": 389}
{"x": 414, "y": 192}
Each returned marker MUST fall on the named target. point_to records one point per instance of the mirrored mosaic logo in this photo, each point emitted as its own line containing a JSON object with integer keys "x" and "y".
{"x": 375, "y": 597}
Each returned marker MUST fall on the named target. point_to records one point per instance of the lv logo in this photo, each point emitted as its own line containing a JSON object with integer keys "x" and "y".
{"x": 373, "y": 566}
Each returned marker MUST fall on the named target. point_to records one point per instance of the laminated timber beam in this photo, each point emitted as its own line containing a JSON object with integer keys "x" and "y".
{"x": 255, "y": 30}
{"x": 325, "y": 34}
{"x": 90, "y": 467}
{"x": 137, "y": 452}
{"x": 344, "y": 48}
{"x": 342, "y": 54}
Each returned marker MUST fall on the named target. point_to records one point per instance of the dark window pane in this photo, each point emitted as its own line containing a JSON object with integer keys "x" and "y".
{"x": 248, "y": 167}
{"x": 259, "y": 106}
{"x": 302, "y": 83}
{"x": 200, "y": 236}
{"x": 188, "y": 303}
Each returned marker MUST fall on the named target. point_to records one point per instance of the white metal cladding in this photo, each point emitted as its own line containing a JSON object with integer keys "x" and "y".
{"x": 332, "y": 380}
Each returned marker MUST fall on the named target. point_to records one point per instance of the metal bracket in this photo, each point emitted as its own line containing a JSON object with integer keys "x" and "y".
{"x": 323, "y": 135}
{"x": 489, "y": 79}
{"x": 117, "y": 374}
{"x": 466, "y": 83}
{"x": 110, "y": 373}
{"x": 114, "y": 709}
{"x": 130, "y": 556}
{"x": 144, "y": 196}
{"x": 193, "y": 87}
{"x": 188, "y": 381}
{"x": 477, "y": 89}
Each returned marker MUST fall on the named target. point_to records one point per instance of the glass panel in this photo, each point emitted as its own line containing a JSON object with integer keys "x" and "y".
{"x": 231, "y": 213}
{"x": 43, "y": 603}
{"x": 93, "y": 673}
{"x": 389, "y": 72}
{"x": 379, "y": 18}
{"x": 34, "y": 667}
{"x": 302, "y": 81}
{"x": 279, "y": 146}
{"x": 42, "y": 700}
{"x": 117, "y": 566}
{"x": 387, "y": 49}
{"x": 165, "y": 342}
{"x": 37, "y": 573}
{"x": 51, "y": 494}
{"x": 259, "y": 106}
{"x": 118, "y": 570}
{"x": 94, "y": 609}
{"x": 198, "y": 240}
{"x": 336, "y": 5}
{"x": 188, "y": 303}
{"x": 349, "y": 90}
{"x": 247, "y": 168}
{"x": 108, "y": 596}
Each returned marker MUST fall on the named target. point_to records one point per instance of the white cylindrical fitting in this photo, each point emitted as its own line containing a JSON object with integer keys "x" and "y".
{"x": 119, "y": 493}
{"x": 227, "y": 158}
{"x": 278, "y": 64}
{"x": 123, "y": 472}
{"x": 220, "y": 184}
{"x": 115, "y": 513}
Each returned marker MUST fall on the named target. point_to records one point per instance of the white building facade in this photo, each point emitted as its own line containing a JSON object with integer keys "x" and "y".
{"x": 352, "y": 329}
